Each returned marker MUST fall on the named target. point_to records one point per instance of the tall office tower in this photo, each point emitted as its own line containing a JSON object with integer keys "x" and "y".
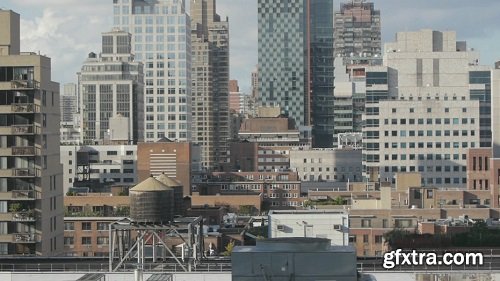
{"x": 210, "y": 82}
{"x": 69, "y": 103}
{"x": 161, "y": 40}
{"x": 31, "y": 200}
{"x": 111, "y": 88}
{"x": 357, "y": 30}
{"x": 296, "y": 62}
{"x": 427, "y": 104}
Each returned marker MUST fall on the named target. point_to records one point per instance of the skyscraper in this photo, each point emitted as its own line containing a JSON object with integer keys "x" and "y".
{"x": 296, "y": 62}
{"x": 111, "y": 88}
{"x": 357, "y": 30}
{"x": 210, "y": 82}
{"x": 161, "y": 40}
{"x": 31, "y": 202}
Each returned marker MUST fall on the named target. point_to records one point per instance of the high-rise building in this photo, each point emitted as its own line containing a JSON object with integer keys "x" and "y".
{"x": 69, "y": 103}
{"x": 31, "y": 194}
{"x": 111, "y": 88}
{"x": 70, "y": 115}
{"x": 357, "y": 30}
{"x": 296, "y": 62}
{"x": 210, "y": 82}
{"x": 161, "y": 40}
{"x": 425, "y": 107}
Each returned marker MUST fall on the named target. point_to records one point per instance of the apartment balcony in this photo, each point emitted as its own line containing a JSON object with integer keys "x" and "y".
{"x": 25, "y": 151}
{"x": 18, "y": 238}
{"x": 20, "y": 108}
{"x": 25, "y": 84}
{"x": 18, "y": 130}
{"x": 23, "y": 216}
{"x": 18, "y": 195}
{"x": 20, "y": 151}
{"x": 20, "y": 173}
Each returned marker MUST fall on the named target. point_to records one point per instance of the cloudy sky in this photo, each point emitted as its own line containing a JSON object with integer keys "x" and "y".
{"x": 67, "y": 30}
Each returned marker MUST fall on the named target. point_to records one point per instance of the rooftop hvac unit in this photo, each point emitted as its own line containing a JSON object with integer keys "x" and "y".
{"x": 281, "y": 227}
{"x": 337, "y": 227}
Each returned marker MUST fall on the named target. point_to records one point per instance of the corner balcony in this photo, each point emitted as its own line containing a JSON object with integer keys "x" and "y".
{"x": 18, "y": 195}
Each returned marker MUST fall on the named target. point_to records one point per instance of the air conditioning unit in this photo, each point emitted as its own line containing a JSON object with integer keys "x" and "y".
{"x": 281, "y": 227}
{"x": 337, "y": 227}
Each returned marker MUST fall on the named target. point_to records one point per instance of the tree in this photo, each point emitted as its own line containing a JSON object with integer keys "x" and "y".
{"x": 229, "y": 248}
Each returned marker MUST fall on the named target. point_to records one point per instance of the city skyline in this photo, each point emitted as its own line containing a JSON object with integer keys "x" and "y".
{"x": 44, "y": 23}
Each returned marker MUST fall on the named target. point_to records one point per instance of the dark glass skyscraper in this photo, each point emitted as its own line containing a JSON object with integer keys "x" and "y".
{"x": 296, "y": 62}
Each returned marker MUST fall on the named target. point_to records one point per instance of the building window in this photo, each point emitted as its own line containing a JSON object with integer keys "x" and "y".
{"x": 102, "y": 226}
{"x": 86, "y": 240}
{"x": 365, "y": 238}
{"x": 86, "y": 226}
{"x": 378, "y": 239}
{"x": 102, "y": 240}
{"x": 366, "y": 223}
{"x": 69, "y": 240}
{"x": 69, "y": 226}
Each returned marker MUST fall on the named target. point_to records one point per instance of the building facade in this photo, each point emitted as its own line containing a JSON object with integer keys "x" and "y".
{"x": 111, "y": 88}
{"x": 210, "y": 82}
{"x": 296, "y": 63}
{"x": 161, "y": 41}
{"x": 332, "y": 165}
{"x": 178, "y": 160}
{"x": 31, "y": 207}
{"x": 422, "y": 99}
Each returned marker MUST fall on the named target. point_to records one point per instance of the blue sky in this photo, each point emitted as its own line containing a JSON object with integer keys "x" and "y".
{"x": 67, "y": 30}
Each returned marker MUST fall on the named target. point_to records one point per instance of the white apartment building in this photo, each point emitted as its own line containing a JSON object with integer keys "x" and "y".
{"x": 161, "y": 39}
{"x": 108, "y": 164}
{"x": 425, "y": 106}
{"x": 111, "y": 88}
{"x": 431, "y": 137}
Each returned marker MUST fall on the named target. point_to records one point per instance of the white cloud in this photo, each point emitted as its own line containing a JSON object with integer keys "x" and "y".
{"x": 64, "y": 37}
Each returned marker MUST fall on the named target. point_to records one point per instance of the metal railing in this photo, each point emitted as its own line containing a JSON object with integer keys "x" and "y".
{"x": 23, "y": 150}
{"x": 104, "y": 267}
{"x": 25, "y": 108}
{"x": 25, "y": 84}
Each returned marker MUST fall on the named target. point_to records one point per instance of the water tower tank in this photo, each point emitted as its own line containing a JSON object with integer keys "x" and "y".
{"x": 151, "y": 202}
{"x": 178, "y": 192}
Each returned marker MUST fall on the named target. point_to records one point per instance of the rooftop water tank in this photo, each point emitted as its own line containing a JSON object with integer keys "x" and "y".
{"x": 151, "y": 202}
{"x": 178, "y": 192}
